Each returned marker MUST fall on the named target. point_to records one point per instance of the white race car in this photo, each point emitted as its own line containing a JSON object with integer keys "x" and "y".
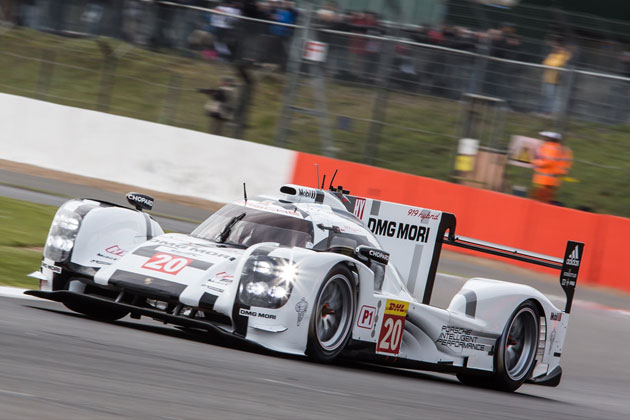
{"x": 314, "y": 272}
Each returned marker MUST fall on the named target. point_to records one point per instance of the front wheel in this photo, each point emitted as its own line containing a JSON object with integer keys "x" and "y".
{"x": 330, "y": 326}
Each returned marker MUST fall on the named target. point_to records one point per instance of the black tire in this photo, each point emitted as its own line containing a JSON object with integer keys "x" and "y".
{"x": 515, "y": 355}
{"x": 478, "y": 381}
{"x": 96, "y": 311}
{"x": 330, "y": 326}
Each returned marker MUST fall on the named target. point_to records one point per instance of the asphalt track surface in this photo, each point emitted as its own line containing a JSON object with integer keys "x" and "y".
{"x": 60, "y": 365}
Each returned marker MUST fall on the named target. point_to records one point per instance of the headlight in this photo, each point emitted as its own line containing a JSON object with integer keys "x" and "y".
{"x": 267, "y": 281}
{"x": 63, "y": 232}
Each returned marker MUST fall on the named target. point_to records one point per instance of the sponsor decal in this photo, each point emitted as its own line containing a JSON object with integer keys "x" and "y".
{"x": 366, "y": 317}
{"x": 556, "y": 316}
{"x": 460, "y": 338}
{"x": 223, "y": 278}
{"x": 166, "y": 263}
{"x": 140, "y": 199}
{"x": 192, "y": 249}
{"x": 100, "y": 262}
{"x": 379, "y": 255}
{"x": 399, "y": 230}
{"x": 574, "y": 258}
{"x": 359, "y": 207}
{"x": 552, "y": 338}
{"x": 301, "y": 307}
{"x": 148, "y": 280}
{"x": 213, "y": 288}
{"x": 390, "y": 337}
{"x": 423, "y": 214}
{"x": 52, "y": 268}
{"x": 107, "y": 257}
{"x": 116, "y": 250}
{"x": 254, "y": 314}
{"x": 303, "y": 192}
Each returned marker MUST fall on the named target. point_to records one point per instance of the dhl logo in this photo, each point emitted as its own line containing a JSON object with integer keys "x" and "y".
{"x": 396, "y": 307}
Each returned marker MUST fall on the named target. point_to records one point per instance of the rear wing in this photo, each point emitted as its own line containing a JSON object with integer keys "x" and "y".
{"x": 569, "y": 266}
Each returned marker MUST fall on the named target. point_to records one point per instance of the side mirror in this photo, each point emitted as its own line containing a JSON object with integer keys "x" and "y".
{"x": 140, "y": 201}
{"x": 376, "y": 259}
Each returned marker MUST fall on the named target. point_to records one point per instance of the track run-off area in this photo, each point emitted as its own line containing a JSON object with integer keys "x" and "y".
{"x": 56, "y": 364}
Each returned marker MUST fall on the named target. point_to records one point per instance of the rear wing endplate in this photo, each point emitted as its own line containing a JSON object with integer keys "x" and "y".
{"x": 569, "y": 266}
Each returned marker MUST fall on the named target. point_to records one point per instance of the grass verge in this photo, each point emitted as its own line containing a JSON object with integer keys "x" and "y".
{"x": 23, "y": 230}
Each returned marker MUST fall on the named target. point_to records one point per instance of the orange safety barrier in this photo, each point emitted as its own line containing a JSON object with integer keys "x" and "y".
{"x": 490, "y": 216}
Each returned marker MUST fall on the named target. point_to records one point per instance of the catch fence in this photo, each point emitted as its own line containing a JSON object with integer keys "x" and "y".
{"x": 389, "y": 95}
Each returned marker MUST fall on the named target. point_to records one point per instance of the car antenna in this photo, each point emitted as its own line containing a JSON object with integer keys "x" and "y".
{"x": 245, "y": 193}
{"x": 330, "y": 187}
{"x": 323, "y": 182}
{"x": 317, "y": 169}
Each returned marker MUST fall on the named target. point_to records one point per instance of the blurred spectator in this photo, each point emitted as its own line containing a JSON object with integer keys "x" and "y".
{"x": 327, "y": 18}
{"x": 552, "y": 79}
{"x": 372, "y": 46}
{"x": 405, "y": 74}
{"x": 27, "y": 13}
{"x": 92, "y": 16}
{"x": 133, "y": 13}
{"x": 284, "y": 12}
{"x": 252, "y": 32}
{"x": 224, "y": 27}
{"x": 552, "y": 163}
{"x": 504, "y": 43}
{"x": 464, "y": 40}
{"x": 220, "y": 105}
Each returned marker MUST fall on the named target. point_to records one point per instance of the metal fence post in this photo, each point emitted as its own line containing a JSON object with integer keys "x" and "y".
{"x": 382, "y": 92}
{"x": 295, "y": 61}
{"x": 171, "y": 102}
{"x": 563, "y": 115}
{"x": 379, "y": 107}
{"x": 46, "y": 70}
{"x": 107, "y": 76}
{"x": 246, "y": 93}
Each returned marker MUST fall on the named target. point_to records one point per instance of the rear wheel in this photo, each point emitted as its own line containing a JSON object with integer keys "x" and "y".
{"x": 97, "y": 311}
{"x": 515, "y": 354}
{"x": 330, "y": 326}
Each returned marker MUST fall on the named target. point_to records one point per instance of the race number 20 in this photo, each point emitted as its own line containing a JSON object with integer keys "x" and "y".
{"x": 166, "y": 263}
{"x": 390, "y": 337}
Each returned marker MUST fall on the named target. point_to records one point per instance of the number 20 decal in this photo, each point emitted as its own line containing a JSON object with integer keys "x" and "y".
{"x": 392, "y": 334}
{"x": 166, "y": 263}
{"x": 390, "y": 337}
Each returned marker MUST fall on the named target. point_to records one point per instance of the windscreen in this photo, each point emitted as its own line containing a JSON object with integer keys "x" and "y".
{"x": 244, "y": 226}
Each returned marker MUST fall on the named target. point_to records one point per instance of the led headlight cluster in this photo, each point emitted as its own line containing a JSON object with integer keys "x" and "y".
{"x": 63, "y": 232}
{"x": 267, "y": 281}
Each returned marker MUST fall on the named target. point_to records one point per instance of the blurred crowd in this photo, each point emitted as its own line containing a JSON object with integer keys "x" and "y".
{"x": 265, "y": 37}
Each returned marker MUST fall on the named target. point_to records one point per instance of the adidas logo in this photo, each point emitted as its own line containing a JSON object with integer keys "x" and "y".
{"x": 574, "y": 258}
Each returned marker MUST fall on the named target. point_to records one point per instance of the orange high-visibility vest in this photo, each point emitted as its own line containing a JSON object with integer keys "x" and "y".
{"x": 552, "y": 162}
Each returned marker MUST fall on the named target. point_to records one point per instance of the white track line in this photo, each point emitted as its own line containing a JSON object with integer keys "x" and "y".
{"x": 308, "y": 388}
{"x": 15, "y": 292}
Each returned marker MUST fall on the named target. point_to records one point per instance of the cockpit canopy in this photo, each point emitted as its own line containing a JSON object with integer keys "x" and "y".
{"x": 242, "y": 226}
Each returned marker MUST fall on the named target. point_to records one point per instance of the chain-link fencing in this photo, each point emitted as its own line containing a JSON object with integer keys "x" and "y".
{"x": 384, "y": 94}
